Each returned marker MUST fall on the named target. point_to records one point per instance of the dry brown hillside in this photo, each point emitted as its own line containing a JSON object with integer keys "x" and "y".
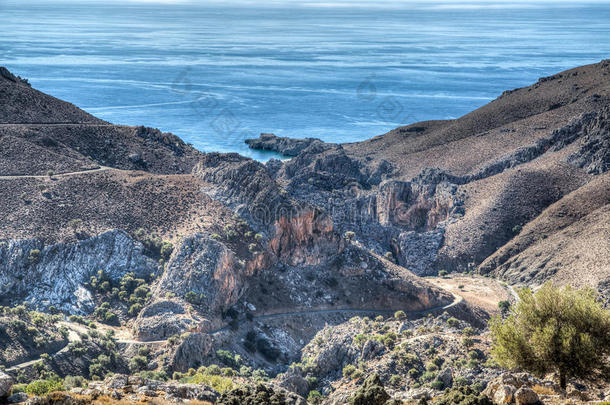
{"x": 532, "y": 159}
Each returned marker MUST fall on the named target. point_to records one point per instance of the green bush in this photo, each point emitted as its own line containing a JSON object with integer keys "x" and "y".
{"x": 41, "y": 387}
{"x": 467, "y": 342}
{"x": 504, "y": 306}
{"x": 314, "y": 397}
{"x": 154, "y": 375}
{"x": 228, "y": 358}
{"x": 560, "y": 330}
{"x": 428, "y": 376}
{"x": 468, "y": 331}
{"x": 134, "y": 309}
{"x": 193, "y": 298}
{"x": 400, "y": 315}
{"x": 218, "y": 382}
{"x": 138, "y": 363}
{"x": 462, "y": 395}
{"x": 349, "y": 370}
{"x": 437, "y": 385}
{"x": 371, "y": 392}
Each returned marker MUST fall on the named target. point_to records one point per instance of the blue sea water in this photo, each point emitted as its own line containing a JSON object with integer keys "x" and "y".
{"x": 215, "y": 73}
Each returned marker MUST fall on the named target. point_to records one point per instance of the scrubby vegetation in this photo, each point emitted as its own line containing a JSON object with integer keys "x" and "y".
{"x": 130, "y": 291}
{"x": 24, "y": 331}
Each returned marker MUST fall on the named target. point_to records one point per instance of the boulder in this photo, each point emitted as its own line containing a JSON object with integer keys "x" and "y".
{"x": 6, "y": 385}
{"x": 17, "y": 398}
{"x": 526, "y": 396}
{"x": 504, "y": 395}
{"x": 293, "y": 381}
{"x": 371, "y": 349}
{"x": 446, "y": 377}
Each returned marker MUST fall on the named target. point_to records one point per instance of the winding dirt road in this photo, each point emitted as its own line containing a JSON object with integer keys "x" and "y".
{"x": 46, "y": 176}
{"x": 75, "y": 329}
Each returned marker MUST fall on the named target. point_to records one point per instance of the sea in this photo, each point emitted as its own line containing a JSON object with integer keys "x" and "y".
{"x": 218, "y": 72}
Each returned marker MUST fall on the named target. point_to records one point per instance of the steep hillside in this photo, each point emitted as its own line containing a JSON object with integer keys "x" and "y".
{"x": 134, "y": 228}
{"x": 446, "y": 195}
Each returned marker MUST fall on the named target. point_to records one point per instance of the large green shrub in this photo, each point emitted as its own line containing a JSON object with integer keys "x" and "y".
{"x": 41, "y": 387}
{"x": 560, "y": 330}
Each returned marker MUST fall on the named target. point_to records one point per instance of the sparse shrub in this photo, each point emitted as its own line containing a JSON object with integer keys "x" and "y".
{"x": 395, "y": 380}
{"x": 468, "y": 331}
{"x": 467, "y": 342}
{"x": 74, "y": 381}
{"x": 360, "y": 339}
{"x": 371, "y": 392}
{"x": 314, "y": 397}
{"x": 166, "y": 250}
{"x": 389, "y": 339}
{"x": 228, "y": 358}
{"x": 138, "y": 363}
{"x": 400, "y": 315}
{"x": 34, "y": 256}
{"x": 154, "y": 375}
{"x": 349, "y": 370}
{"x": 453, "y": 322}
{"x": 428, "y": 376}
{"x": 462, "y": 395}
{"x": 443, "y": 273}
{"x": 438, "y": 361}
{"x": 194, "y": 298}
{"x": 504, "y": 305}
{"x": 134, "y": 309}
{"x": 228, "y": 372}
{"x": 260, "y": 375}
{"x": 437, "y": 385}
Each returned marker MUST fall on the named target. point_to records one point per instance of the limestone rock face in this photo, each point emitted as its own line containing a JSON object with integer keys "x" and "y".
{"x": 56, "y": 274}
{"x": 205, "y": 266}
{"x": 294, "y": 381}
{"x": 192, "y": 351}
